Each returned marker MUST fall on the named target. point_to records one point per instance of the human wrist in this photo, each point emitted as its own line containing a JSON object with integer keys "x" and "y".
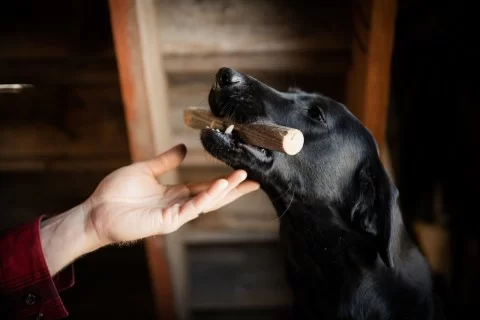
{"x": 66, "y": 237}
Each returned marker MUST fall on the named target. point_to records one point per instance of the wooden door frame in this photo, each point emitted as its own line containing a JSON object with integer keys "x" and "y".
{"x": 144, "y": 89}
{"x": 368, "y": 81}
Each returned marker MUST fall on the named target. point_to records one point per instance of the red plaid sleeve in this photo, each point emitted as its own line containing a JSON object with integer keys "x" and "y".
{"x": 27, "y": 290}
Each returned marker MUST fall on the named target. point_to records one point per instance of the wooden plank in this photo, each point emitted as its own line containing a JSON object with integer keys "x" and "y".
{"x": 54, "y": 29}
{"x": 94, "y": 70}
{"x": 48, "y": 193}
{"x": 249, "y": 219}
{"x": 238, "y": 276}
{"x": 62, "y": 124}
{"x": 63, "y": 71}
{"x": 203, "y": 236}
{"x": 65, "y": 165}
{"x": 144, "y": 93}
{"x": 316, "y": 62}
{"x": 369, "y": 76}
{"x": 212, "y": 27}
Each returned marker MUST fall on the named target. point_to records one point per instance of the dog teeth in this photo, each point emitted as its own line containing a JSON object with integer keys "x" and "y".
{"x": 229, "y": 129}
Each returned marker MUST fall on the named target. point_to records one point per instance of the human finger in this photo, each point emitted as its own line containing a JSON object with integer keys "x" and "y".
{"x": 241, "y": 190}
{"x": 233, "y": 179}
{"x": 167, "y": 160}
{"x": 203, "y": 200}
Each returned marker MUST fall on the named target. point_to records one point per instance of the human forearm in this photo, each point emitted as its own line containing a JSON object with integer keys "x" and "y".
{"x": 66, "y": 237}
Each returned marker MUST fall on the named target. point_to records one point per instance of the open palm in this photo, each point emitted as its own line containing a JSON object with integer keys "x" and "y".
{"x": 131, "y": 204}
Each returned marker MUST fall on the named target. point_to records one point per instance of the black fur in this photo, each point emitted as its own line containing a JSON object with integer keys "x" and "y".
{"x": 348, "y": 254}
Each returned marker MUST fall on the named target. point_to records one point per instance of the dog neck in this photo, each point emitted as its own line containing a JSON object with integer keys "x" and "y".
{"x": 318, "y": 244}
{"x": 311, "y": 247}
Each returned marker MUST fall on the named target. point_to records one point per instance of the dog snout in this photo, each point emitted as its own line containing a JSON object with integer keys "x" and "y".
{"x": 227, "y": 77}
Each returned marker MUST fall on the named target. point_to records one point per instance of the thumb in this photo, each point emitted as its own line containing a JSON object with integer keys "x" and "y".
{"x": 167, "y": 160}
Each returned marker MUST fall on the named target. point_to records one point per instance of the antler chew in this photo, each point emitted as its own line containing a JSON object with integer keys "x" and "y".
{"x": 268, "y": 136}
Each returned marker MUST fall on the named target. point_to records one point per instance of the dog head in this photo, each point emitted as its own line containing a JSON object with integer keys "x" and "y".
{"x": 339, "y": 166}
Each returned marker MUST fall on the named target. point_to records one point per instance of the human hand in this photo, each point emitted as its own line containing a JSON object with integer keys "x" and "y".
{"x": 131, "y": 204}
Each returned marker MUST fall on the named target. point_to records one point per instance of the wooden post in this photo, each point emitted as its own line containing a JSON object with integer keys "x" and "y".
{"x": 144, "y": 93}
{"x": 368, "y": 84}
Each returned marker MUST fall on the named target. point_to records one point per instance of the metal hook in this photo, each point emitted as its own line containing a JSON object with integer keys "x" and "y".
{"x": 14, "y": 87}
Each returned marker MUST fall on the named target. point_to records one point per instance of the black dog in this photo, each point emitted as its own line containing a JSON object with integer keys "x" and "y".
{"x": 348, "y": 254}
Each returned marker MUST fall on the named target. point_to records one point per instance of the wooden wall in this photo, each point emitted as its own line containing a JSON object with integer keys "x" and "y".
{"x": 59, "y": 140}
{"x": 73, "y": 119}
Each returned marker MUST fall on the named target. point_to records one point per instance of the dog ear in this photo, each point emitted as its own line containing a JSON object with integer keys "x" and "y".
{"x": 376, "y": 211}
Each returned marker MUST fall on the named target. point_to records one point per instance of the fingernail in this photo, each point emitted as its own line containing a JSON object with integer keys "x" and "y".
{"x": 244, "y": 175}
{"x": 223, "y": 184}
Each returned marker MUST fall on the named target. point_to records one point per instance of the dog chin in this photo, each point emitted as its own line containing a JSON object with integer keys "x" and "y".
{"x": 231, "y": 150}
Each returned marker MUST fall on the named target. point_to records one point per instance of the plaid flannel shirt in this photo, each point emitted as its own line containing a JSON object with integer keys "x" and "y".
{"x": 27, "y": 290}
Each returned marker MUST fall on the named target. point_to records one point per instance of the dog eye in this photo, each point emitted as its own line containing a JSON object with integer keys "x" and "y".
{"x": 316, "y": 113}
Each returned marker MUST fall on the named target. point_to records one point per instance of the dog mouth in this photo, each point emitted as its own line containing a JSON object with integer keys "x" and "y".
{"x": 228, "y": 147}
{"x": 230, "y": 97}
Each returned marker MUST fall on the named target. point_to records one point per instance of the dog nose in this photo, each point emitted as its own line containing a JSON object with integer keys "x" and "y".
{"x": 228, "y": 77}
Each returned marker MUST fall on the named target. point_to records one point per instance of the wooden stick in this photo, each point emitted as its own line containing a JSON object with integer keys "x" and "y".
{"x": 267, "y": 136}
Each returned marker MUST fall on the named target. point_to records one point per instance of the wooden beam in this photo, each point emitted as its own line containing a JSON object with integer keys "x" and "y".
{"x": 144, "y": 93}
{"x": 368, "y": 84}
{"x": 252, "y": 27}
{"x": 308, "y": 62}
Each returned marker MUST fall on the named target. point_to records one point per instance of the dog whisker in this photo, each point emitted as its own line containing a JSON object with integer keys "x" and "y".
{"x": 201, "y": 103}
{"x": 284, "y": 192}
{"x": 288, "y": 206}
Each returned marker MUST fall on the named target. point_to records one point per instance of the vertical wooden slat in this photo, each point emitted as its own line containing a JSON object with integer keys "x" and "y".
{"x": 368, "y": 84}
{"x": 144, "y": 93}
